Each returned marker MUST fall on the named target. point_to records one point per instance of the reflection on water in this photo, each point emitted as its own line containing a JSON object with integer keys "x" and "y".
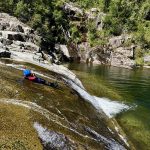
{"x": 133, "y": 86}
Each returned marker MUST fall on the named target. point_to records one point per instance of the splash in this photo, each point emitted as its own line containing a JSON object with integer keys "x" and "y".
{"x": 52, "y": 139}
{"x": 110, "y": 108}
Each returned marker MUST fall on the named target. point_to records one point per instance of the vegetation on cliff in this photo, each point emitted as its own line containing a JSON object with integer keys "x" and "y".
{"x": 50, "y": 20}
{"x": 122, "y": 17}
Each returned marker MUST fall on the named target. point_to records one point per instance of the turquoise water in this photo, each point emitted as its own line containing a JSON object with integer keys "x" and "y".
{"x": 134, "y": 87}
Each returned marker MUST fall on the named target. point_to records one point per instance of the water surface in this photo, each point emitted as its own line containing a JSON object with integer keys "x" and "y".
{"x": 129, "y": 86}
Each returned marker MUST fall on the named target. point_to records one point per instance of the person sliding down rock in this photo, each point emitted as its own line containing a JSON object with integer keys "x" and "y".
{"x": 32, "y": 77}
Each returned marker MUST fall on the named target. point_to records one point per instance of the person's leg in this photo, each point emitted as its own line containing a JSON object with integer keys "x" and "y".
{"x": 39, "y": 80}
{"x": 53, "y": 84}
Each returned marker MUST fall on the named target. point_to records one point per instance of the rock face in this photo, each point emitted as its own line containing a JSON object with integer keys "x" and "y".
{"x": 123, "y": 57}
{"x": 16, "y": 36}
{"x": 72, "y": 9}
{"x": 97, "y": 16}
{"x": 113, "y": 53}
{"x": 96, "y": 55}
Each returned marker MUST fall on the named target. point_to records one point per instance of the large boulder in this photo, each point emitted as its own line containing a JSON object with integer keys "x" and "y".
{"x": 123, "y": 57}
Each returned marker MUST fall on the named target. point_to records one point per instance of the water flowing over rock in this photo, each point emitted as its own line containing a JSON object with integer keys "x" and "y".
{"x": 53, "y": 140}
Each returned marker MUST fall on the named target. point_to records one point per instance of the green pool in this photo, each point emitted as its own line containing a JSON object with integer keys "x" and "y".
{"x": 129, "y": 86}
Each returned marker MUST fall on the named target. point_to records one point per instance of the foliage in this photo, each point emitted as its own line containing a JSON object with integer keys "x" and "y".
{"x": 139, "y": 61}
{"x": 48, "y": 18}
{"x": 96, "y": 37}
{"x": 139, "y": 56}
{"x": 45, "y": 16}
{"x": 75, "y": 34}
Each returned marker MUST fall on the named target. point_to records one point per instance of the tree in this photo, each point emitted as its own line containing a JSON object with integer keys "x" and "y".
{"x": 22, "y": 11}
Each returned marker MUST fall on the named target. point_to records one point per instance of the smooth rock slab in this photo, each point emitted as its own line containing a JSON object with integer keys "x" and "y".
{"x": 53, "y": 140}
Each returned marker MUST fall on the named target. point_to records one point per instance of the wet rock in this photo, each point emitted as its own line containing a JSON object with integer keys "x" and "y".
{"x": 53, "y": 140}
{"x": 109, "y": 143}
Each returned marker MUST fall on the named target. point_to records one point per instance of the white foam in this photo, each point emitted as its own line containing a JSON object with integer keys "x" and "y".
{"x": 42, "y": 133}
{"x": 110, "y": 143}
{"x": 110, "y": 108}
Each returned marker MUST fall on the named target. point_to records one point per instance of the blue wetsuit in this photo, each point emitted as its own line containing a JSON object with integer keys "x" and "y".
{"x": 28, "y": 75}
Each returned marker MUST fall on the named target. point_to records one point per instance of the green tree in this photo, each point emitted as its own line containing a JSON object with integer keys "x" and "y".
{"x": 21, "y": 11}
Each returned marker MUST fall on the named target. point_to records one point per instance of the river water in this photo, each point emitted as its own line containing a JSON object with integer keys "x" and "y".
{"x": 130, "y": 86}
{"x": 31, "y": 113}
